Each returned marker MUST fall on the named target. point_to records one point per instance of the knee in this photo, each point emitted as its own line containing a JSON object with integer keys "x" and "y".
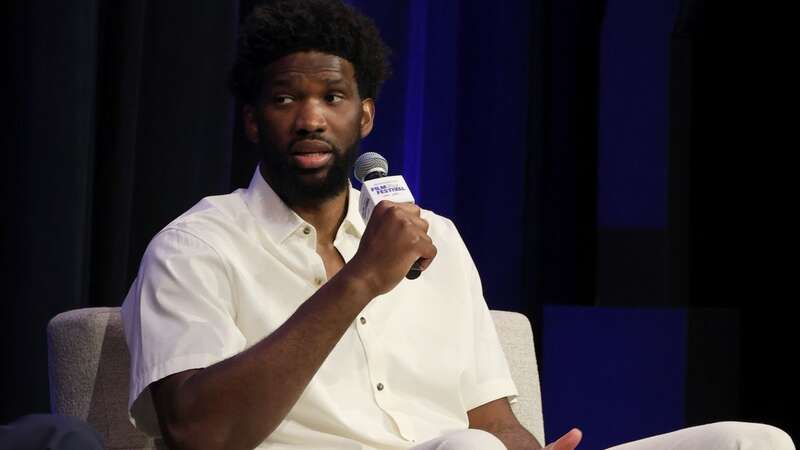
{"x": 471, "y": 439}
{"x": 769, "y": 437}
{"x": 750, "y": 436}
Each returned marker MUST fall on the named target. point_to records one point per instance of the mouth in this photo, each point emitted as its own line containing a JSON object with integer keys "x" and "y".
{"x": 311, "y": 160}
{"x": 311, "y": 154}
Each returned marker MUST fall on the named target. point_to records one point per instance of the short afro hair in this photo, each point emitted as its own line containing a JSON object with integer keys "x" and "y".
{"x": 282, "y": 27}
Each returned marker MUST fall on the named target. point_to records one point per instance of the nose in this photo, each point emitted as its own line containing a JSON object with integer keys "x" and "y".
{"x": 310, "y": 118}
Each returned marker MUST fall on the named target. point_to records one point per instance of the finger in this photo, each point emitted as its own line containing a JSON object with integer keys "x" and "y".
{"x": 421, "y": 223}
{"x": 568, "y": 441}
{"x": 423, "y": 243}
{"x": 384, "y": 204}
{"x": 424, "y": 263}
{"x": 401, "y": 212}
{"x": 427, "y": 257}
{"x": 410, "y": 208}
{"x": 388, "y": 207}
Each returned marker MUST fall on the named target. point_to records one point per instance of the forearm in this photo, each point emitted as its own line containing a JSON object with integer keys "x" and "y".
{"x": 238, "y": 402}
{"x": 516, "y": 437}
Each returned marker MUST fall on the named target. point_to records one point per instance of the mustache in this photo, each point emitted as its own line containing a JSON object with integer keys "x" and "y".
{"x": 313, "y": 137}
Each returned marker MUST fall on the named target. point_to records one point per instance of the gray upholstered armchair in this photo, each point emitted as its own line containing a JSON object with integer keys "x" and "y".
{"x": 89, "y": 372}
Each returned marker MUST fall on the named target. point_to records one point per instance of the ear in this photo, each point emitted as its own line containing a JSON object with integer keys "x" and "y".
{"x": 250, "y": 123}
{"x": 367, "y": 116}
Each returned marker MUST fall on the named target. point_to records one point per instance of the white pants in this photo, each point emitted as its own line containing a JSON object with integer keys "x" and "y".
{"x": 469, "y": 439}
{"x": 715, "y": 436}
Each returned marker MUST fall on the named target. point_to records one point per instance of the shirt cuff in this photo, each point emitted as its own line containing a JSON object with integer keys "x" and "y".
{"x": 141, "y": 411}
{"x": 490, "y": 391}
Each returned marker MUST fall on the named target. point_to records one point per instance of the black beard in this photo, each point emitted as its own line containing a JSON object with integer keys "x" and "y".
{"x": 287, "y": 181}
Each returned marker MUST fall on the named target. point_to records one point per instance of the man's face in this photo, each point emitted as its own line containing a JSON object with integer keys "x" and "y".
{"x": 308, "y": 125}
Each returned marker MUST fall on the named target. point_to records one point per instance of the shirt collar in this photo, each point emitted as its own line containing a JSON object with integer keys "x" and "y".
{"x": 280, "y": 221}
{"x": 353, "y": 220}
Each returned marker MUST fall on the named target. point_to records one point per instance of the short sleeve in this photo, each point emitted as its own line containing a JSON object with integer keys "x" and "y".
{"x": 179, "y": 315}
{"x": 487, "y": 376}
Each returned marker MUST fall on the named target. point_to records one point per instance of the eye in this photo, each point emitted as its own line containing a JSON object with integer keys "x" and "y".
{"x": 334, "y": 98}
{"x": 282, "y": 99}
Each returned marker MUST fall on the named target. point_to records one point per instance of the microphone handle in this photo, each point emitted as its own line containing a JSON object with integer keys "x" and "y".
{"x": 415, "y": 271}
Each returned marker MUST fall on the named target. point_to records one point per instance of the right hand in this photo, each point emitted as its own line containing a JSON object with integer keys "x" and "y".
{"x": 567, "y": 442}
{"x": 396, "y": 236}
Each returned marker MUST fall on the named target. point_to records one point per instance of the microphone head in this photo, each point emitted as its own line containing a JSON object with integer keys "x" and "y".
{"x": 370, "y": 165}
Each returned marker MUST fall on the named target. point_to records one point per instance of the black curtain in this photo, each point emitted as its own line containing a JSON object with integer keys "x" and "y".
{"x": 120, "y": 121}
{"x": 741, "y": 196}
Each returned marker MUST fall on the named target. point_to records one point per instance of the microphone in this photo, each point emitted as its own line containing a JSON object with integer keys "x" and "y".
{"x": 372, "y": 170}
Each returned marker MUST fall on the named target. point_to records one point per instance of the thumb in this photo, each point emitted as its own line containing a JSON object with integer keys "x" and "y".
{"x": 568, "y": 441}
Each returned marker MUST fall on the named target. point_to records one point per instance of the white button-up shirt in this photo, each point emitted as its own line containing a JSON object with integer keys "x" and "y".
{"x": 231, "y": 270}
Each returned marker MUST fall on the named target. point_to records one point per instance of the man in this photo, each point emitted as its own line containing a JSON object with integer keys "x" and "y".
{"x": 274, "y": 317}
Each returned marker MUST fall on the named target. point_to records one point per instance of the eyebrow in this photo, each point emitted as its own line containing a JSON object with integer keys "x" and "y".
{"x": 332, "y": 81}
{"x": 289, "y": 80}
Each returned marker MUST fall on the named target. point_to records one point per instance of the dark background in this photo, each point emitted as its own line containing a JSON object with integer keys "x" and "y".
{"x": 611, "y": 155}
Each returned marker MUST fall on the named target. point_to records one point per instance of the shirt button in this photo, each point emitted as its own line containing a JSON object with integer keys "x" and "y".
{"x": 307, "y": 230}
{"x": 363, "y": 321}
{"x": 318, "y": 281}
{"x": 379, "y": 386}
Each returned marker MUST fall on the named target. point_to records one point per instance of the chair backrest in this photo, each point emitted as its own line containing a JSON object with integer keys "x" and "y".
{"x": 89, "y": 365}
{"x": 516, "y": 337}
